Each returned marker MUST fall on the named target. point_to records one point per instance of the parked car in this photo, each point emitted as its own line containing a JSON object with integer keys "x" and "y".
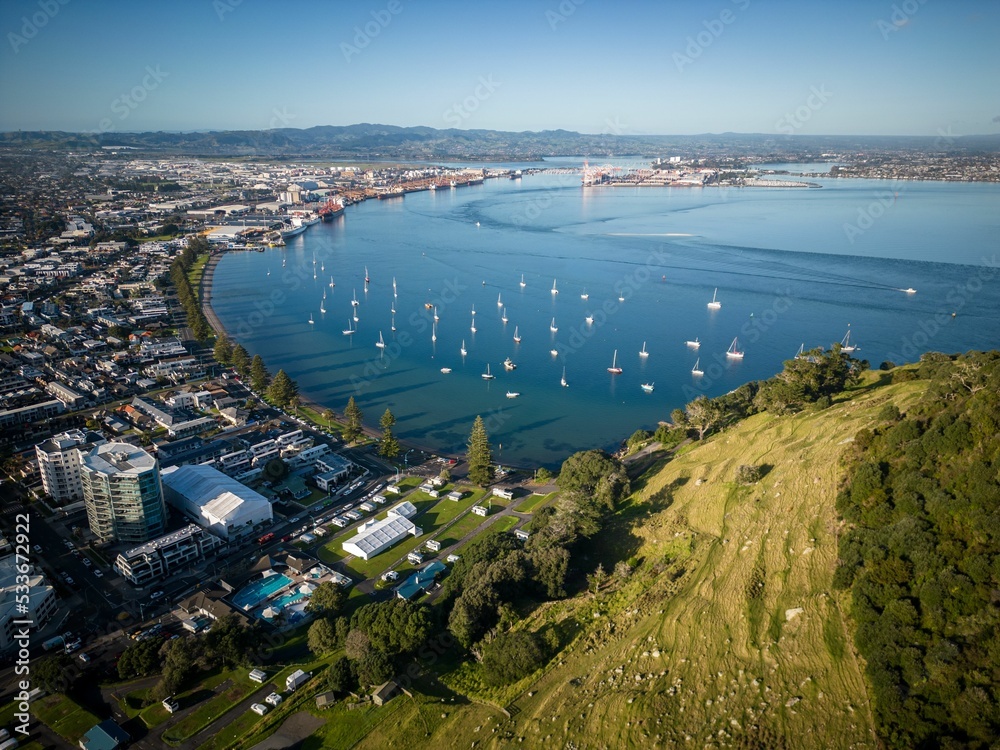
{"x": 259, "y": 708}
{"x": 98, "y": 573}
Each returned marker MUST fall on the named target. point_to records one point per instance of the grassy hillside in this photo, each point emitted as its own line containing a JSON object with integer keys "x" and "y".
{"x": 728, "y": 631}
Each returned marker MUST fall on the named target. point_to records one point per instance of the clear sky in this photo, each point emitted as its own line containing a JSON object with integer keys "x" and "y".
{"x": 905, "y": 67}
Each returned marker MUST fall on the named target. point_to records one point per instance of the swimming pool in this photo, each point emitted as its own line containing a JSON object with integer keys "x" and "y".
{"x": 287, "y": 599}
{"x": 257, "y": 591}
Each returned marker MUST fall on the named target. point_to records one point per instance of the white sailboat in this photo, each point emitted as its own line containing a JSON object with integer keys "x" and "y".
{"x": 354, "y": 301}
{"x": 508, "y": 364}
{"x": 563, "y": 382}
{"x": 522, "y": 281}
{"x": 381, "y": 341}
{"x": 445, "y": 370}
{"x": 356, "y": 318}
{"x": 322, "y": 307}
{"x": 647, "y": 387}
{"x": 554, "y": 352}
{"x": 643, "y": 352}
{"x": 615, "y": 369}
{"x": 393, "y": 325}
{"x": 693, "y": 344}
{"x": 512, "y": 394}
{"x": 394, "y": 294}
{"x": 801, "y": 352}
{"x": 487, "y": 375}
{"x": 348, "y": 331}
{"x": 473, "y": 328}
{"x": 590, "y": 320}
{"x": 845, "y": 344}
{"x": 322, "y": 267}
{"x": 332, "y": 285}
{"x": 517, "y": 336}
{"x": 585, "y": 295}
{"x": 284, "y": 262}
{"x": 464, "y": 350}
{"x": 714, "y": 304}
{"x": 552, "y": 326}
{"x": 499, "y": 301}
{"x": 436, "y": 318}
{"x": 311, "y": 321}
{"x": 314, "y": 273}
{"x": 695, "y": 371}
{"x": 268, "y": 271}
{"x": 434, "y": 332}
{"x": 503, "y": 316}
{"x": 734, "y": 350}
{"x": 473, "y": 309}
{"x": 554, "y": 290}
{"x": 621, "y": 297}
{"x": 366, "y": 275}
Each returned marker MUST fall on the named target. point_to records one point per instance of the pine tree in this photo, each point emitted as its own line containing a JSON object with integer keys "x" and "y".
{"x": 260, "y": 378}
{"x": 388, "y": 421}
{"x": 223, "y": 350}
{"x": 389, "y": 447}
{"x": 480, "y": 455}
{"x": 282, "y": 389}
{"x": 352, "y": 416}
{"x": 241, "y": 360}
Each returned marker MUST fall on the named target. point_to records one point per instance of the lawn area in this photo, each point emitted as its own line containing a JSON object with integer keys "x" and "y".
{"x": 64, "y": 717}
{"x": 529, "y": 504}
{"x": 316, "y": 417}
{"x": 240, "y": 687}
{"x": 196, "y": 271}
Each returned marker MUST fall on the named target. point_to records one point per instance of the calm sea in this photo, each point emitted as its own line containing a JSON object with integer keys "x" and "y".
{"x": 792, "y": 267}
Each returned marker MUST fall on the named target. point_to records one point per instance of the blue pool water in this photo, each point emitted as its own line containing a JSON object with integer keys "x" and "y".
{"x": 257, "y": 591}
{"x": 287, "y": 599}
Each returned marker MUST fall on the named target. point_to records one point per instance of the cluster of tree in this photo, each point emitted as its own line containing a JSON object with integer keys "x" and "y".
{"x": 810, "y": 378}
{"x": 229, "y": 644}
{"x": 480, "y": 455}
{"x": 388, "y": 446}
{"x": 497, "y": 575}
{"x": 922, "y": 557}
{"x": 375, "y": 640}
{"x": 186, "y": 296}
{"x": 353, "y": 424}
{"x": 280, "y": 390}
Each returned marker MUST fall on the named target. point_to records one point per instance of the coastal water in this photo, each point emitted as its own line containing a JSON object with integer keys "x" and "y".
{"x": 792, "y": 266}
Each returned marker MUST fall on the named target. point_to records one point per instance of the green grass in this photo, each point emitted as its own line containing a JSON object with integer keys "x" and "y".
{"x": 196, "y": 271}
{"x": 213, "y": 707}
{"x": 316, "y": 417}
{"x": 64, "y": 716}
{"x": 530, "y": 504}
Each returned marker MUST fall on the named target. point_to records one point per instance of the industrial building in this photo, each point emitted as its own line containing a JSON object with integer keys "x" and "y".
{"x": 216, "y": 502}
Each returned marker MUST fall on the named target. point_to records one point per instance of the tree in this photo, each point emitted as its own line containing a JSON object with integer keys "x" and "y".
{"x": 596, "y": 579}
{"x": 328, "y": 599}
{"x": 594, "y": 478}
{"x": 550, "y": 564}
{"x": 282, "y": 389}
{"x": 395, "y": 626}
{"x": 512, "y": 656}
{"x": 260, "y": 378}
{"x": 223, "y": 350}
{"x": 352, "y": 417}
{"x": 328, "y": 416}
{"x": 140, "y": 659}
{"x": 357, "y": 645}
{"x": 240, "y": 359}
{"x": 480, "y": 455}
{"x": 389, "y": 446}
{"x": 387, "y": 421}
{"x": 321, "y": 638}
{"x": 374, "y": 668}
{"x": 54, "y": 674}
{"x": 340, "y": 676}
{"x": 703, "y": 414}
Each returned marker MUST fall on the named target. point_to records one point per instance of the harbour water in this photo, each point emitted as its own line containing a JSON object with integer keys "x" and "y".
{"x": 792, "y": 266}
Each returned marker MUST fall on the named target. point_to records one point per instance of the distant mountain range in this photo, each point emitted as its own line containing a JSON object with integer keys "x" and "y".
{"x": 381, "y": 142}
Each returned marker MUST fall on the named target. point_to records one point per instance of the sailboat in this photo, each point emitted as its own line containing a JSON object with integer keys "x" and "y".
{"x": 499, "y": 301}
{"x": 647, "y": 387}
{"x": 563, "y": 382}
{"x": 714, "y": 304}
{"x": 589, "y": 319}
{"x": 434, "y": 332}
{"x": 392, "y": 309}
{"x": 322, "y": 267}
{"x": 473, "y": 308}
{"x": 643, "y": 352}
{"x": 508, "y": 364}
{"x": 487, "y": 375}
{"x": 503, "y": 316}
{"x": 554, "y": 290}
{"x": 311, "y": 321}
{"x": 585, "y": 295}
{"x": 394, "y": 294}
{"x": 381, "y": 341}
{"x": 801, "y": 352}
{"x": 366, "y": 275}
{"x": 693, "y": 344}
{"x": 845, "y": 345}
{"x": 512, "y": 394}
{"x": 552, "y": 326}
{"x": 554, "y": 352}
{"x": 314, "y": 273}
{"x": 322, "y": 307}
{"x": 621, "y": 297}
{"x": 356, "y": 318}
{"x": 734, "y": 350}
{"x": 522, "y": 281}
{"x": 517, "y": 336}
{"x": 615, "y": 369}
{"x": 268, "y": 271}
{"x": 393, "y": 326}
{"x": 436, "y": 318}
{"x": 473, "y": 329}
{"x": 695, "y": 371}
{"x": 284, "y": 262}
{"x": 355, "y": 300}
{"x": 348, "y": 331}
{"x": 332, "y": 285}
{"x": 464, "y": 350}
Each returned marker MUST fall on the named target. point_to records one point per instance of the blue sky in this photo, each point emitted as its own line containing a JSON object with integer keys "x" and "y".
{"x": 805, "y": 66}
